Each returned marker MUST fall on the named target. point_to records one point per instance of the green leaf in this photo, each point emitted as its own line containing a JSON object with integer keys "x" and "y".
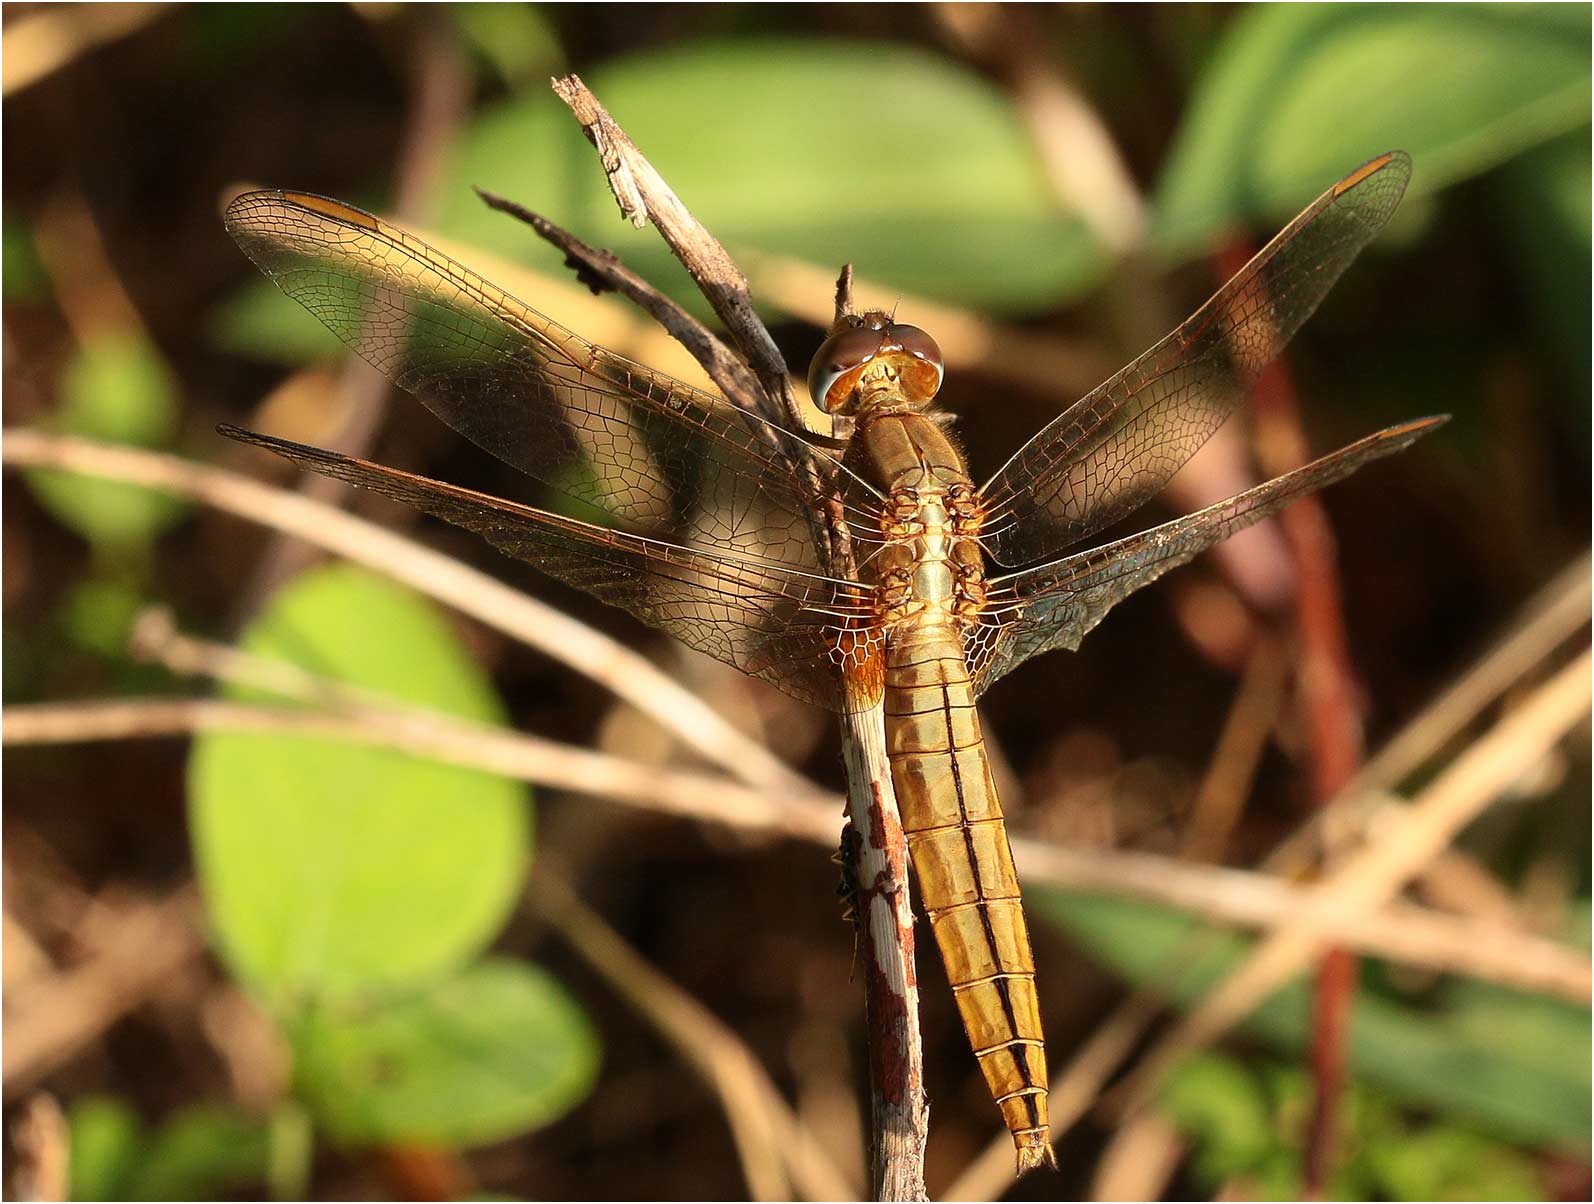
{"x": 1248, "y": 1122}
{"x": 488, "y": 1054}
{"x": 201, "y": 1153}
{"x": 517, "y": 39}
{"x": 98, "y": 614}
{"x": 913, "y": 168}
{"x": 1513, "y": 1064}
{"x": 1298, "y": 95}
{"x": 1545, "y": 213}
{"x": 1439, "y": 1162}
{"x": 1216, "y": 1100}
{"x": 330, "y": 868}
{"x": 116, "y": 388}
{"x": 104, "y": 1137}
{"x": 22, "y": 275}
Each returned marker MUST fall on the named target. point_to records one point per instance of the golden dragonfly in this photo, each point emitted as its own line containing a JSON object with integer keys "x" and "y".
{"x": 725, "y": 525}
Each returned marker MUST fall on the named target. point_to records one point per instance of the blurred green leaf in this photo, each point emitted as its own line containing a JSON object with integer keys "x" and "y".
{"x": 98, "y": 614}
{"x": 218, "y": 35}
{"x": 517, "y": 39}
{"x": 1216, "y": 1100}
{"x": 1546, "y": 214}
{"x": 103, "y": 1142}
{"x": 1438, "y": 1162}
{"x": 1248, "y": 1122}
{"x": 200, "y": 1153}
{"x": 1298, "y": 95}
{"x": 262, "y": 321}
{"x": 22, "y": 276}
{"x": 330, "y": 868}
{"x": 1517, "y": 1065}
{"x": 492, "y": 1052}
{"x": 116, "y": 388}
{"x": 913, "y": 168}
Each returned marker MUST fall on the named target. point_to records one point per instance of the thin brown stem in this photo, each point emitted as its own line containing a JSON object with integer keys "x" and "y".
{"x": 41, "y": 1143}
{"x": 620, "y": 669}
{"x": 777, "y": 1151}
{"x": 1417, "y": 936}
{"x": 644, "y": 196}
{"x": 602, "y": 270}
{"x": 899, "y": 1112}
{"x": 1366, "y": 879}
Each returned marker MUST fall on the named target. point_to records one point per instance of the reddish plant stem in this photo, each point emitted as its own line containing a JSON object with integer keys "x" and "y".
{"x": 1334, "y": 746}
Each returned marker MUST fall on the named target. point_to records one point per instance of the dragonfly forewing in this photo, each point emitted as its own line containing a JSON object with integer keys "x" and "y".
{"x": 1119, "y": 445}
{"x": 655, "y": 453}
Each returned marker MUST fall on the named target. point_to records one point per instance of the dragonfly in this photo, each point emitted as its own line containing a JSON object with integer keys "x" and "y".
{"x": 851, "y": 574}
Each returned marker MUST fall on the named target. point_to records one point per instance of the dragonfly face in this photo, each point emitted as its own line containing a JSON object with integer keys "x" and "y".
{"x": 871, "y": 356}
{"x": 715, "y": 537}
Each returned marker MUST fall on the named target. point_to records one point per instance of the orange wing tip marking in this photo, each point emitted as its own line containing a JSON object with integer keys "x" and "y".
{"x": 1033, "y": 1151}
{"x": 1362, "y": 172}
{"x": 336, "y": 210}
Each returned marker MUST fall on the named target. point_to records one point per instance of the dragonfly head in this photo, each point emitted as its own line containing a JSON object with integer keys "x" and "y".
{"x": 867, "y": 354}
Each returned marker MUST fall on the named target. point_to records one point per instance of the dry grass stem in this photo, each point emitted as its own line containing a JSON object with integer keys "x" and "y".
{"x": 1400, "y": 932}
{"x": 602, "y": 270}
{"x": 1228, "y": 779}
{"x": 1364, "y": 881}
{"x": 777, "y": 1152}
{"x": 899, "y": 1113}
{"x": 1141, "y": 1157}
{"x": 46, "y": 1025}
{"x": 1082, "y": 161}
{"x": 42, "y": 41}
{"x": 644, "y": 196}
{"x": 1548, "y": 620}
{"x": 547, "y": 763}
{"x": 628, "y": 674}
{"x": 41, "y": 1165}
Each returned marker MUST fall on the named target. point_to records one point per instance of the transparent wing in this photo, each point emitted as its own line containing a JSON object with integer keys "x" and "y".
{"x": 796, "y": 630}
{"x": 1054, "y": 605}
{"x": 649, "y": 449}
{"x": 1116, "y": 447}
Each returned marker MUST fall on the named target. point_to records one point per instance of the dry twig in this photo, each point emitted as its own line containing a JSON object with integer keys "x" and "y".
{"x": 776, "y": 1149}
{"x": 900, "y": 1112}
{"x": 47, "y": 1024}
{"x": 39, "y": 1137}
{"x": 1366, "y": 879}
{"x": 1407, "y": 933}
{"x": 644, "y": 197}
{"x": 606, "y": 661}
{"x": 602, "y": 270}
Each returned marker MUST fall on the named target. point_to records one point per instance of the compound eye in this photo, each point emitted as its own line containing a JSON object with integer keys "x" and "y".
{"x": 834, "y": 371}
{"x": 918, "y": 344}
{"x": 926, "y": 380}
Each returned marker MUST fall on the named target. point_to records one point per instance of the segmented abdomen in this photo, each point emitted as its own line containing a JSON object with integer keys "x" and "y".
{"x": 958, "y": 842}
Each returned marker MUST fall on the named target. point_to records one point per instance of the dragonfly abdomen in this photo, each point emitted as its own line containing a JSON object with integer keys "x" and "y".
{"x": 958, "y": 842}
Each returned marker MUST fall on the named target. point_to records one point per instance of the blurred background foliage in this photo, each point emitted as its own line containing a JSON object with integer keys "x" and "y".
{"x": 378, "y": 1010}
